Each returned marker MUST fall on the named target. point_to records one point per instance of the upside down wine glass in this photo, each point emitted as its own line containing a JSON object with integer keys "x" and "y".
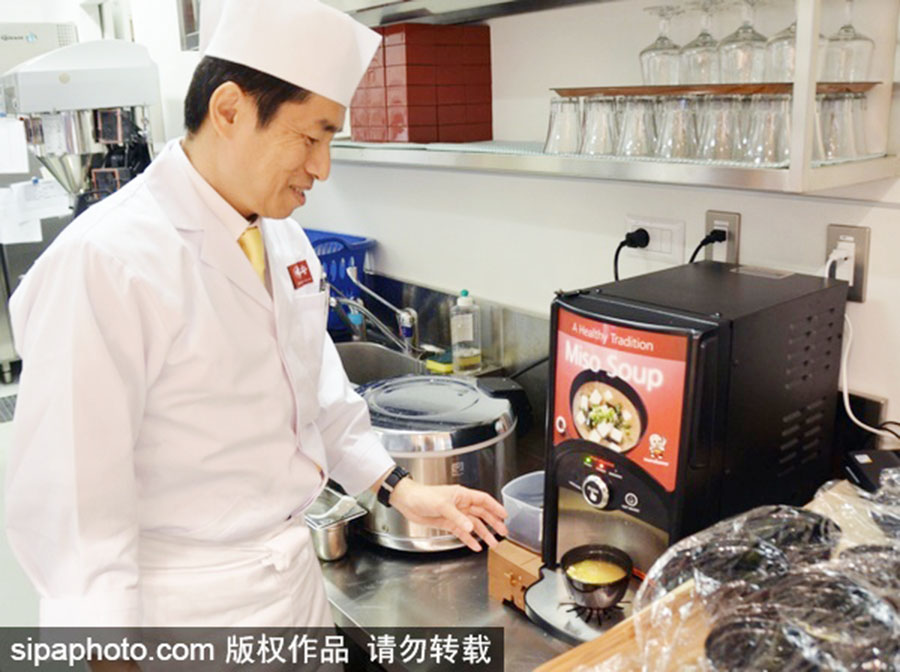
{"x": 781, "y": 55}
{"x": 700, "y": 56}
{"x": 660, "y": 60}
{"x": 742, "y": 55}
{"x": 849, "y": 53}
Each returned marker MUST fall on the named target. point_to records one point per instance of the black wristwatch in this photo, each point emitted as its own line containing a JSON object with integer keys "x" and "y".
{"x": 384, "y": 492}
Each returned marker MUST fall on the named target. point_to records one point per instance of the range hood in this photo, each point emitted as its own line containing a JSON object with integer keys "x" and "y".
{"x": 383, "y": 12}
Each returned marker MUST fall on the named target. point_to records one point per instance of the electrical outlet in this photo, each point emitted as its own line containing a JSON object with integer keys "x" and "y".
{"x": 666, "y": 238}
{"x": 730, "y": 222}
{"x": 855, "y": 241}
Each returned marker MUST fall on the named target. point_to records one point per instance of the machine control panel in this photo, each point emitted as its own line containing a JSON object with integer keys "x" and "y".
{"x": 595, "y": 491}
{"x": 610, "y": 482}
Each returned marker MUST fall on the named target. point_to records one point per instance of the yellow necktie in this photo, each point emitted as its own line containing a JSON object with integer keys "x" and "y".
{"x": 251, "y": 243}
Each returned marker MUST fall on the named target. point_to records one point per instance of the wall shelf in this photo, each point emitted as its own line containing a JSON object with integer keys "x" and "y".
{"x": 526, "y": 158}
{"x": 768, "y": 88}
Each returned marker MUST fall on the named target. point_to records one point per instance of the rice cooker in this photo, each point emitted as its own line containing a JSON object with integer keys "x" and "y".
{"x": 444, "y": 431}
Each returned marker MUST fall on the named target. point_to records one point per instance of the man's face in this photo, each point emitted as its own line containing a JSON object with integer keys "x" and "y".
{"x": 280, "y": 162}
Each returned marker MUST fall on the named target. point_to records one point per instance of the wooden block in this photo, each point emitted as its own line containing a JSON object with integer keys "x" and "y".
{"x": 511, "y": 569}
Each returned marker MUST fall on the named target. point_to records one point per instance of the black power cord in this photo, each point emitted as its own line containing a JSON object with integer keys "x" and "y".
{"x": 636, "y": 238}
{"x": 714, "y": 236}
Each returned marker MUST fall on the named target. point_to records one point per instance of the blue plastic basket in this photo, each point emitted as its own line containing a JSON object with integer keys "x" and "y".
{"x": 338, "y": 252}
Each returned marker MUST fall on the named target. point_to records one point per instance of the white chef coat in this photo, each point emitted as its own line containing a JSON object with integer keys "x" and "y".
{"x": 166, "y": 397}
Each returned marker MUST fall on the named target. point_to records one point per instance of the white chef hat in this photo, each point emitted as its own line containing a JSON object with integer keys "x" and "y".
{"x": 304, "y": 42}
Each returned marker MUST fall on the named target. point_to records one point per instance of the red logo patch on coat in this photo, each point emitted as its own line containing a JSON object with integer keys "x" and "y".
{"x": 300, "y": 274}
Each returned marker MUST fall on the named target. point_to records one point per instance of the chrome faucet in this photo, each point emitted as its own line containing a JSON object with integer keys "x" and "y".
{"x": 357, "y": 306}
{"x": 407, "y": 318}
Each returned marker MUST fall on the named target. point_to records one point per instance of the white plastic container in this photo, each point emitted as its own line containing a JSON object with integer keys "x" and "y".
{"x": 523, "y": 499}
{"x": 465, "y": 334}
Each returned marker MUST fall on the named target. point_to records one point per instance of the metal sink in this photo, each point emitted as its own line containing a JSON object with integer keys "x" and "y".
{"x": 365, "y": 362}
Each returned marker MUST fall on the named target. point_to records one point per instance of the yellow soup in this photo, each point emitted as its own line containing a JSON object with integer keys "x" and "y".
{"x": 595, "y": 571}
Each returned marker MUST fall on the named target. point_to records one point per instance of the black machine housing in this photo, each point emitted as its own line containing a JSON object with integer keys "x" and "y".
{"x": 763, "y": 361}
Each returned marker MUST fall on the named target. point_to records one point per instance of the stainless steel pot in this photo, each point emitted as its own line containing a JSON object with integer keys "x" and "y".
{"x": 328, "y": 519}
{"x": 444, "y": 431}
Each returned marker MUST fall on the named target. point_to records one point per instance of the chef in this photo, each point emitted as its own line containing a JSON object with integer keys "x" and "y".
{"x": 181, "y": 403}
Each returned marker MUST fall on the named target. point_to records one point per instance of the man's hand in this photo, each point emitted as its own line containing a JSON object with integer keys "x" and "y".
{"x": 459, "y": 510}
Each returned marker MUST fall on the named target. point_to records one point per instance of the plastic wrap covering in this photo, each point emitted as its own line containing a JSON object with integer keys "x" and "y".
{"x": 780, "y": 589}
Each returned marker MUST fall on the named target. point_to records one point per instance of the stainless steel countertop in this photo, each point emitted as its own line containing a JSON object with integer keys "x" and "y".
{"x": 377, "y": 587}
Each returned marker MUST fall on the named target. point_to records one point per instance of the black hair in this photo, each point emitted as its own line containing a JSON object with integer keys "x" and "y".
{"x": 269, "y": 92}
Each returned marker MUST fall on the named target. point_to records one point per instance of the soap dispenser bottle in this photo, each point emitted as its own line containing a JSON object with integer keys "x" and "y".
{"x": 465, "y": 334}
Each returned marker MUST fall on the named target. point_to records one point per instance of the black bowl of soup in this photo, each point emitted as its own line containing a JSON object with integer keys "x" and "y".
{"x": 597, "y": 575}
{"x": 607, "y": 411}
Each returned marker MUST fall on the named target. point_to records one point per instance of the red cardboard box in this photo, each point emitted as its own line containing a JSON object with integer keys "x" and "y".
{"x": 454, "y": 133}
{"x": 477, "y": 74}
{"x": 374, "y": 77}
{"x": 476, "y": 54}
{"x": 477, "y": 35}
{"x": 451, "y": 74}
{"x": 450, "y": 54}
{"x": 413, "y": 134}
{"x": 411, "y": 95}
{"x": 426, "y": 84}
{"x": 450, "y": 115}
{"x": 378, "y": 117}
{"x": 451, "y": 95}
{"x": 478, "y": 114}
{"x": 478, "y": 93}
{"x": 409, "y": 75}
{"x": 425, "y": 115}
{"x": 410, "y": 54}
{"x": 374, "y": 97}
{"x": 409, "y": 33}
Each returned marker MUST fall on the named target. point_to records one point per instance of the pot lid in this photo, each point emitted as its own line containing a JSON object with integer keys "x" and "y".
{"x": 435, "y": 413}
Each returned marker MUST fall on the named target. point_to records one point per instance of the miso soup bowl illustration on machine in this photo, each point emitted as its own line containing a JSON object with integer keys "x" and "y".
{"x": 607, "y": 411}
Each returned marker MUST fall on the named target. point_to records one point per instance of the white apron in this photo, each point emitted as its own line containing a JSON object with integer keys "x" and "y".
{"x": 271, "y": 581}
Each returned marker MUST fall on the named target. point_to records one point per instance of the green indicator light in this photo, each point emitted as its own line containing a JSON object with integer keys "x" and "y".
{"x": 587, "y": 461}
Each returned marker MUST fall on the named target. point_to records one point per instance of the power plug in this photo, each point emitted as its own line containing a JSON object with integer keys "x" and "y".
{"x": 847, "y": 252}
{"x": 843, "y": 269}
